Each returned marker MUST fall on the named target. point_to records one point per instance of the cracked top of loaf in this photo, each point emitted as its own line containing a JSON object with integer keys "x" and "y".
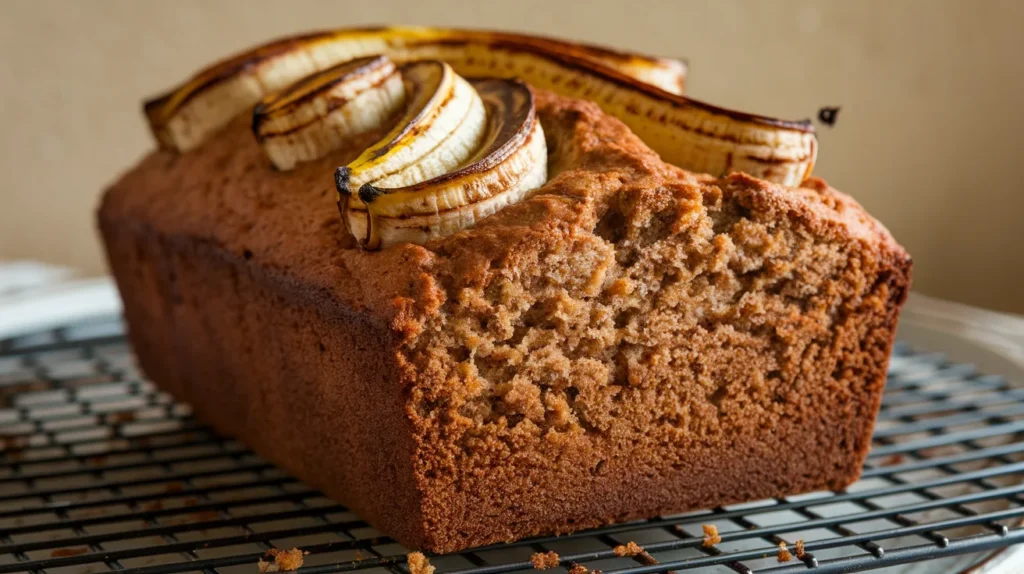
{"x": 611, "y": 206}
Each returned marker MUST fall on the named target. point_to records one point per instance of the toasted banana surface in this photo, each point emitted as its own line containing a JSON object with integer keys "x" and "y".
{"x": 458, "y": 153}
{"x": 510, "y": 161}
{"x": 641, "y": 91}
{"x": 317, "y": 114}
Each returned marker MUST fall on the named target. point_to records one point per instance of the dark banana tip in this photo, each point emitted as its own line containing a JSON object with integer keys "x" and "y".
{"x": 368, "y": 193}
{"x": 257, "y": 120}
{"x": 341, "y": 177}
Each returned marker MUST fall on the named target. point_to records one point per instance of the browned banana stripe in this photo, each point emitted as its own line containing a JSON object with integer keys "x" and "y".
{"x": 688, "y": 133}
{"x": 286, "y": 100}
{"x": 160, "y": 108}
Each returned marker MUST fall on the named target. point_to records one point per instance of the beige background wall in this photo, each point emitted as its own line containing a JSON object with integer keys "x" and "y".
{"x": 929, "y": 138}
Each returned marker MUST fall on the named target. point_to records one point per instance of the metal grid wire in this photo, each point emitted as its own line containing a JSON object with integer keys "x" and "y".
{"x": 101, "y": 471}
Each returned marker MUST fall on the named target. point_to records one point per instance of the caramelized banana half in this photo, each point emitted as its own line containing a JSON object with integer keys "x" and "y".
{"x": 456, "y": 153}
{"x": 643, "y": 92}
{"x": 318, "y": 114}
{"x": 510, "y": 162}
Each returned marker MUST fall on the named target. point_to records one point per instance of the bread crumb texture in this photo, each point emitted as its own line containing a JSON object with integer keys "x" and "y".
{"x": 633, "y": 315}
{"x": 284, "y": 560}
{"x": 800, "y": 552}
{"x": 631, "y": 340}
{"x": 419, "y": 564}
{"x": 711, "y": 536}
{"x": 634, "y": 550}
{"x": 629, "y": 549}
{"x": 784, "y": 554}
{"x": 544, "y": 560}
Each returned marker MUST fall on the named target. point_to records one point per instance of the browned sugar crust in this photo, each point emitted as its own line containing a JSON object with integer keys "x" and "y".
{"x": 634, "y": 340}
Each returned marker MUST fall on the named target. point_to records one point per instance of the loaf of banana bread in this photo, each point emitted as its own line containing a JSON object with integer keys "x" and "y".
{"x": 631, "y": 340}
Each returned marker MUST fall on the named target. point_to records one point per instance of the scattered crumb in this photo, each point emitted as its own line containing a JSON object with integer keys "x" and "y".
{"x": 629, "y": 549}
{"x": 784, "y": 555}
{"x": 800, "y": 553}
{"x": 711, "y": 536}
{"x": 193, "y": 518}
{"x": 633, "y": 549}
{"x": 892, "y": 460}
{"x": 544, "y": 560}
{"x": 265, "y": 566}
{"x": 9, "y": 443}
{"x": 117, "y": 418}
{"x": 63, "y": 552}
{"x": 359, "y": 556}
{"x": 648, "y": 560}
{"x": 418, "y": 564}
{"x": 581, "y": 569}
{"x": 284, "y": 560}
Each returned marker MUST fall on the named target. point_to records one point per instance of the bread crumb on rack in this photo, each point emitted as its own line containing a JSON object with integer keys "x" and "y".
{"x": 800, "y": 552}
{"x": 634, "y": 550}
{"x": 628, "y": 549}
{"x": 545, "y": 560}
{"x": 784, "y": 555}
{"x": 581, "y": 569}
{"x": 65, "y": 552}
{"x": 418, "y": 563}
{"x": 711, "y": 536}
{"x": 284, "y": 560}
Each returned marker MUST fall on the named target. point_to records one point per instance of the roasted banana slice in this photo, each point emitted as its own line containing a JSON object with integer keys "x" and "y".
{"x": 317, "y": 114}
{"x": 688, "y": 133}
{"x": 441, "y": 129}
{"x": 510, "y": 163}
{"x": 183, "y": 118}
{"x": 457, "y": 153}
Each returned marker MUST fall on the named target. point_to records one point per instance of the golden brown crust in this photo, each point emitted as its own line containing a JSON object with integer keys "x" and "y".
{"x": 227, "y": 193}
{"x": 613, "y": 348}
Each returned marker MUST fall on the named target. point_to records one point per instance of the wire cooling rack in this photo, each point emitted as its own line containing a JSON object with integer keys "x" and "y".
{"x": 100, "y": 471}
